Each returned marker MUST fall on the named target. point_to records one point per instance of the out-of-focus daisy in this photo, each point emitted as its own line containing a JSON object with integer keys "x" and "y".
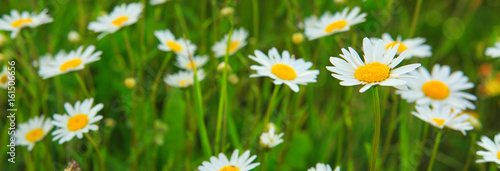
{"x": 169, "y": 43}
{"x": 45, "y": 59}
{"x": 415, "y": 46}
{"x": 28, "y": 133}
{"x": 226, "y": 11}
{"x": 493, "y": 150}
{"x": 491, "y": 87}
{"x": 439, "y": 88}
{"x": 121, "y": 16}
{"x": 16, "y": 21}
{"x": 183, "y": 79}
{"x": 236, "y": 163}
{"x": 184, "y": 62}
{"x": 283, "y": 69}
{"x": 73, "y": 36}
{"x": 4, "y": 78}
{"x": 270, "y": 139}
{"x": 493, "y": 51}
{"x": 329, "y": 24}
{"x": 473, "y": 119}
{"x": 238, "y": 40}
{"x": 79, "y": 119}
{"x": 323, "y": 167}
{"x": 73, "y": 61}
{"x": 3, "y": 39}
{"x": 157, "y": 2}
{"x": 444, "y": 116}
{"x": 378, "y": 67}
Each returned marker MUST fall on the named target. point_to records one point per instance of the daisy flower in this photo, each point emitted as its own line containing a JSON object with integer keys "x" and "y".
{"x": 73, "y": 61}
{"x": 80, "y": 119}
{"x": 493, "y": 150}
{"x": 121, "y": 16}
{"x": 493, "y": 51}
{"x": 29, "y": 133}
{"x": 270, "y": 139}
{"x": 444, "y": 116}
{"x": 329, "y": 24}
{"x": 415, "y": 46}
{"x": 169, "y": 43}
{"x": 378, "y": 67}
{"x": 323, "y": 167}
{"x": 238, "y": 38}
{"x": 239, "y": 163}
{"x": 440, "y": 87}
{"x": 283, "y": 68}
{"x": 4, "y": 78}
{"x": 157, "y": 2}
{"x": 45, "y": 59}
{"x": 184, "y": 62}
{"x": 183, "y": 79}
{"x": 16, "y": 21}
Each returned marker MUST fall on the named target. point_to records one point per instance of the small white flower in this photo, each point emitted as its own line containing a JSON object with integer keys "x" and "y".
{"x": 179, "y": 46}
{"x": 121, "y": 16}
{"x": 73, "y": 61}
{"x": 270, "y": 139}
{"x": 184, "y": 62}
{"x": 236, "y": 163}
{"x": 4, "y": 78}
{"x": 444, "y": 116}
{"x": 323, "y": 167}
{"x": 73, "y": 36}
{"x": 16, "y": 21}
{"x": 157, "y": 2}
{"x": 81, "y": 118}
{"x": 329, "y": 24}
{"x": 29, "y": 133}
{"x": 493, "y": 51}
{"x": 238, "y": 40}
{"x": 415, "y": 46}
{"x": 183, "y": 79}
{"x": 492, "y": 153}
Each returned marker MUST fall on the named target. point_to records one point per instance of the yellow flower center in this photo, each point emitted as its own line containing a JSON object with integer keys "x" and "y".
{"x": 374, "y": 72}
{"x": 283, "y": 72}
{"x": 402, "y": 47}
{"x": 230, "y": 168}
{"x": 335, "y": 26}
{"x": 438, "y": 121}
{"x": 119, "y": 21}
{"x": 3, "y": 80}
{"x": 190, "y": 65}
{"x": 20, "y": 22}
{"x": 436, "y": 90}
{"x": 70, "y": 64}
{"x": 184, "y": 83}
{"x": 233, "y": 46}
{"x": 34, "y": 135}
{"x": 498, "y": 155}
{"x": 174, "y": 46}
{"x": 78, "y": 122}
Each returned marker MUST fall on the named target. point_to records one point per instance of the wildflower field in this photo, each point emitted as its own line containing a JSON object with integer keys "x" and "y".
{"x": 238, "y": 85}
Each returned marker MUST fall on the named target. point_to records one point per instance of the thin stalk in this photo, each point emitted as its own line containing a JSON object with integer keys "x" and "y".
{"x": 255, "y": 7}
{"x": 434, "y": 151}
{"x": 271, "y": 104}
{"x": 82, "y": 84}
{"x": 471, "y": 151}
{"x": 129, "y": 50}
{"x": 99, "y": 157}
{"x": 154, "y": 88}
{"x": 415, "y": 18}
{"x": 376, "y": 138}
{"x": 180, "y": 16}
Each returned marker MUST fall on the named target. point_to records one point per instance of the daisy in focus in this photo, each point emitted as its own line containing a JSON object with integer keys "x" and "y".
{"x": 492, "y": 153}
{"x": 444, "y": 116}
{"x": 73, "y": 61}
{"x": 323, "y": 167}
{"x": 378, "y": 67}
{"x": 329, "y": 24}
{"x": 29, "y": 133}
{"x": 270, "y": 139}
{"x": 183, "y": 79}
{"x": 440, "y": 87}
{"x": 179, "y": 46}
{"x": 236, "y": 163}
{"x": 4, "y": 78}
{"x": 493, "y": 51}
{"x": 283, "y": 69}
{"x": 16, "y": 21}
{"x": 121, "y": 16}
{"x": 80, "y": 119}
{"x": 184, "y": 62}
{"x": 415, "y": 46}
{"x": 157, "y": 2}
{"x": 238, "y": 40}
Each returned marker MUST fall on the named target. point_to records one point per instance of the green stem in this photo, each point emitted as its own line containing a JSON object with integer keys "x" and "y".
{"x": 82, "y": 84}
{"x": 99, "y": 157}
{"x": 434, "y": 151}
{"x": 157, "y": 81}
{"x": 471, "y": 151}
{"x": 255, "y": 6}
{"x": 271, "y": 104}
{"x": 180, "y": 16}
{"x": 129, "y": 50}
{"x": 415, "y": 17}
{"x": 376, "y": 138}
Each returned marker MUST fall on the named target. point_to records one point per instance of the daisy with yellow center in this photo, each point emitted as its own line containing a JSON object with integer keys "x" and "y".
{"x": 45, "y": 59}
{"x": 16, "y": 21}
{"x": 492, "y": 153}
{"x": 4, "y": 78}
{"x": 283, "y": 69}
{"x": 378, "y": 68}
{"x": 415, "y": 46}
{"x": 73, "y": 61}
{"x": 184, "y": 62}
{"x": 238, "y": 40}
{"x": 329, "y": 24}
{"x": 80, "y": 119}
{"x": 323, "y": 167}
{"x": 440, "y": 87}
{"x": 493, "y": 51}
{"x": 29, "y": 133}
{"x": 443, "y": 116}
{"x": 121, "y": 16}
{"x": 236, "y": 163}
{"x": 179, "y": 46}
{"x": 183, "y": 79}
